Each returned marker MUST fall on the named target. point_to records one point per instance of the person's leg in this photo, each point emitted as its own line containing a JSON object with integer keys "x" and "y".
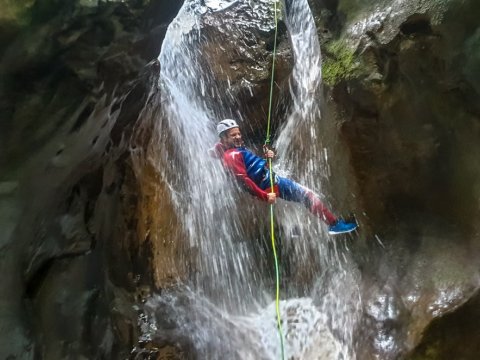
{"x": 291, "y": 191}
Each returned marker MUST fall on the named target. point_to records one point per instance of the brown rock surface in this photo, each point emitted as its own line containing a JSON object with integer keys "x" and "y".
{"x": 400, "y": 85}
{"x": 78, "y": 80}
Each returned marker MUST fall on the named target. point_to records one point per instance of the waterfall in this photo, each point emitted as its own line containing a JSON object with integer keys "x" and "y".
{"x": 225, "y": 310}
{"x": 200, "y": 189}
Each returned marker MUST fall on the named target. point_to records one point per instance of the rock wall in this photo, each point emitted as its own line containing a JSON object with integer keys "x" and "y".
{"x": 237, "y": 44}
{"x": 399, "y": 84}
{"x": 79, "y": 80}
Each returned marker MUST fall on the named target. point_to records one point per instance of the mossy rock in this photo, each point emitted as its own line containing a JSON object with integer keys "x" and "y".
{"x": 340, "y": 62}
{"x": 14, "y": 16}
{"x": 16, "y": 11}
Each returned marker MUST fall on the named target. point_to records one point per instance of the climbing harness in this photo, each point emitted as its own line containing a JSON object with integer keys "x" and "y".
{"x": 272, "y": 223}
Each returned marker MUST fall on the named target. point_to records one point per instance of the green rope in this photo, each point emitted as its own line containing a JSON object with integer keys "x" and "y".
{"x": 272, "y": 222}
{"x": 272, "y": 77}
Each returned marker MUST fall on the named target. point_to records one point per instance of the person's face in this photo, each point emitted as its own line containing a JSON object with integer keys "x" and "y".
{"x": 233, "y": 138}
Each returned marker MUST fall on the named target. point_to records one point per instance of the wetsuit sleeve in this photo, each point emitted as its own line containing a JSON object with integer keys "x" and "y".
{"x": 234, "y": 162}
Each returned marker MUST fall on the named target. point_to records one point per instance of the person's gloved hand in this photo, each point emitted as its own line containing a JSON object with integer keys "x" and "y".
{"x": 268, "y": 153}
{"x": 271, "y": 197}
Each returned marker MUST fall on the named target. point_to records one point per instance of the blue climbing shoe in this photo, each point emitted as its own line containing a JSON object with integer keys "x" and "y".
{"x": 342, "y": 227}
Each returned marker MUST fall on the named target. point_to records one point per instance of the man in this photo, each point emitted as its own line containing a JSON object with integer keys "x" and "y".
{"x": 253, "y": 173}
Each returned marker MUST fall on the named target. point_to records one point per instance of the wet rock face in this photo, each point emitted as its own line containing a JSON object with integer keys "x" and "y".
{"x": 78, "y": 83}
{"x": 443, "y": 336}
{"x": 411, "y": 112}
{"x": 399, "y": 80}
{"x": 238, "y": 45}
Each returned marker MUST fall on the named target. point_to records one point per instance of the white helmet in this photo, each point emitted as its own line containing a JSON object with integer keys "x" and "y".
{"x": 225, "y": 125}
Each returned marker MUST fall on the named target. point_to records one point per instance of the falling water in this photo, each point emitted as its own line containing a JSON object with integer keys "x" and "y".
{"x": 330, "y": 270}
{"x": 226, "y": 309}
{"x": 200, "y": 190}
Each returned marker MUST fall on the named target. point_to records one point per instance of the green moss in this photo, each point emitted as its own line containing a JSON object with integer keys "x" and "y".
{"x": 339, "y": 63}
{"x": 15, "y": 11}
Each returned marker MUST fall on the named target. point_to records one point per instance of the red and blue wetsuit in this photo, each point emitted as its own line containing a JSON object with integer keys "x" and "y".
{"x": 253, "y": 173}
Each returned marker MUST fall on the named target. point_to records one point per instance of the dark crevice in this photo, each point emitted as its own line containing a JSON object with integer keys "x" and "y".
{"x": 281, "y": 34}
{"x": 35, "y": 281}
{"x": 416, "y": 24}
{"x": 82, "y": 118}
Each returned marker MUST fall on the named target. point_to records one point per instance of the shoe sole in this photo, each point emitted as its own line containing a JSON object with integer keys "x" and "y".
{"x": 342, "y": 232}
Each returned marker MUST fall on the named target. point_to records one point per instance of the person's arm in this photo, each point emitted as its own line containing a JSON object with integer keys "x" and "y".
{"x": 216, "y": 151}
{"x": 234, "y": 162}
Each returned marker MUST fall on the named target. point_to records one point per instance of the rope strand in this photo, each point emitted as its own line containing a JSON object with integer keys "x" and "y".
{"x": 272, "y": 76}
{"x": 272, "y": 221}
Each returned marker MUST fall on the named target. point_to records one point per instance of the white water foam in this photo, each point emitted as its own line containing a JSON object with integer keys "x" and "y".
{"x": 215, "y": 334}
